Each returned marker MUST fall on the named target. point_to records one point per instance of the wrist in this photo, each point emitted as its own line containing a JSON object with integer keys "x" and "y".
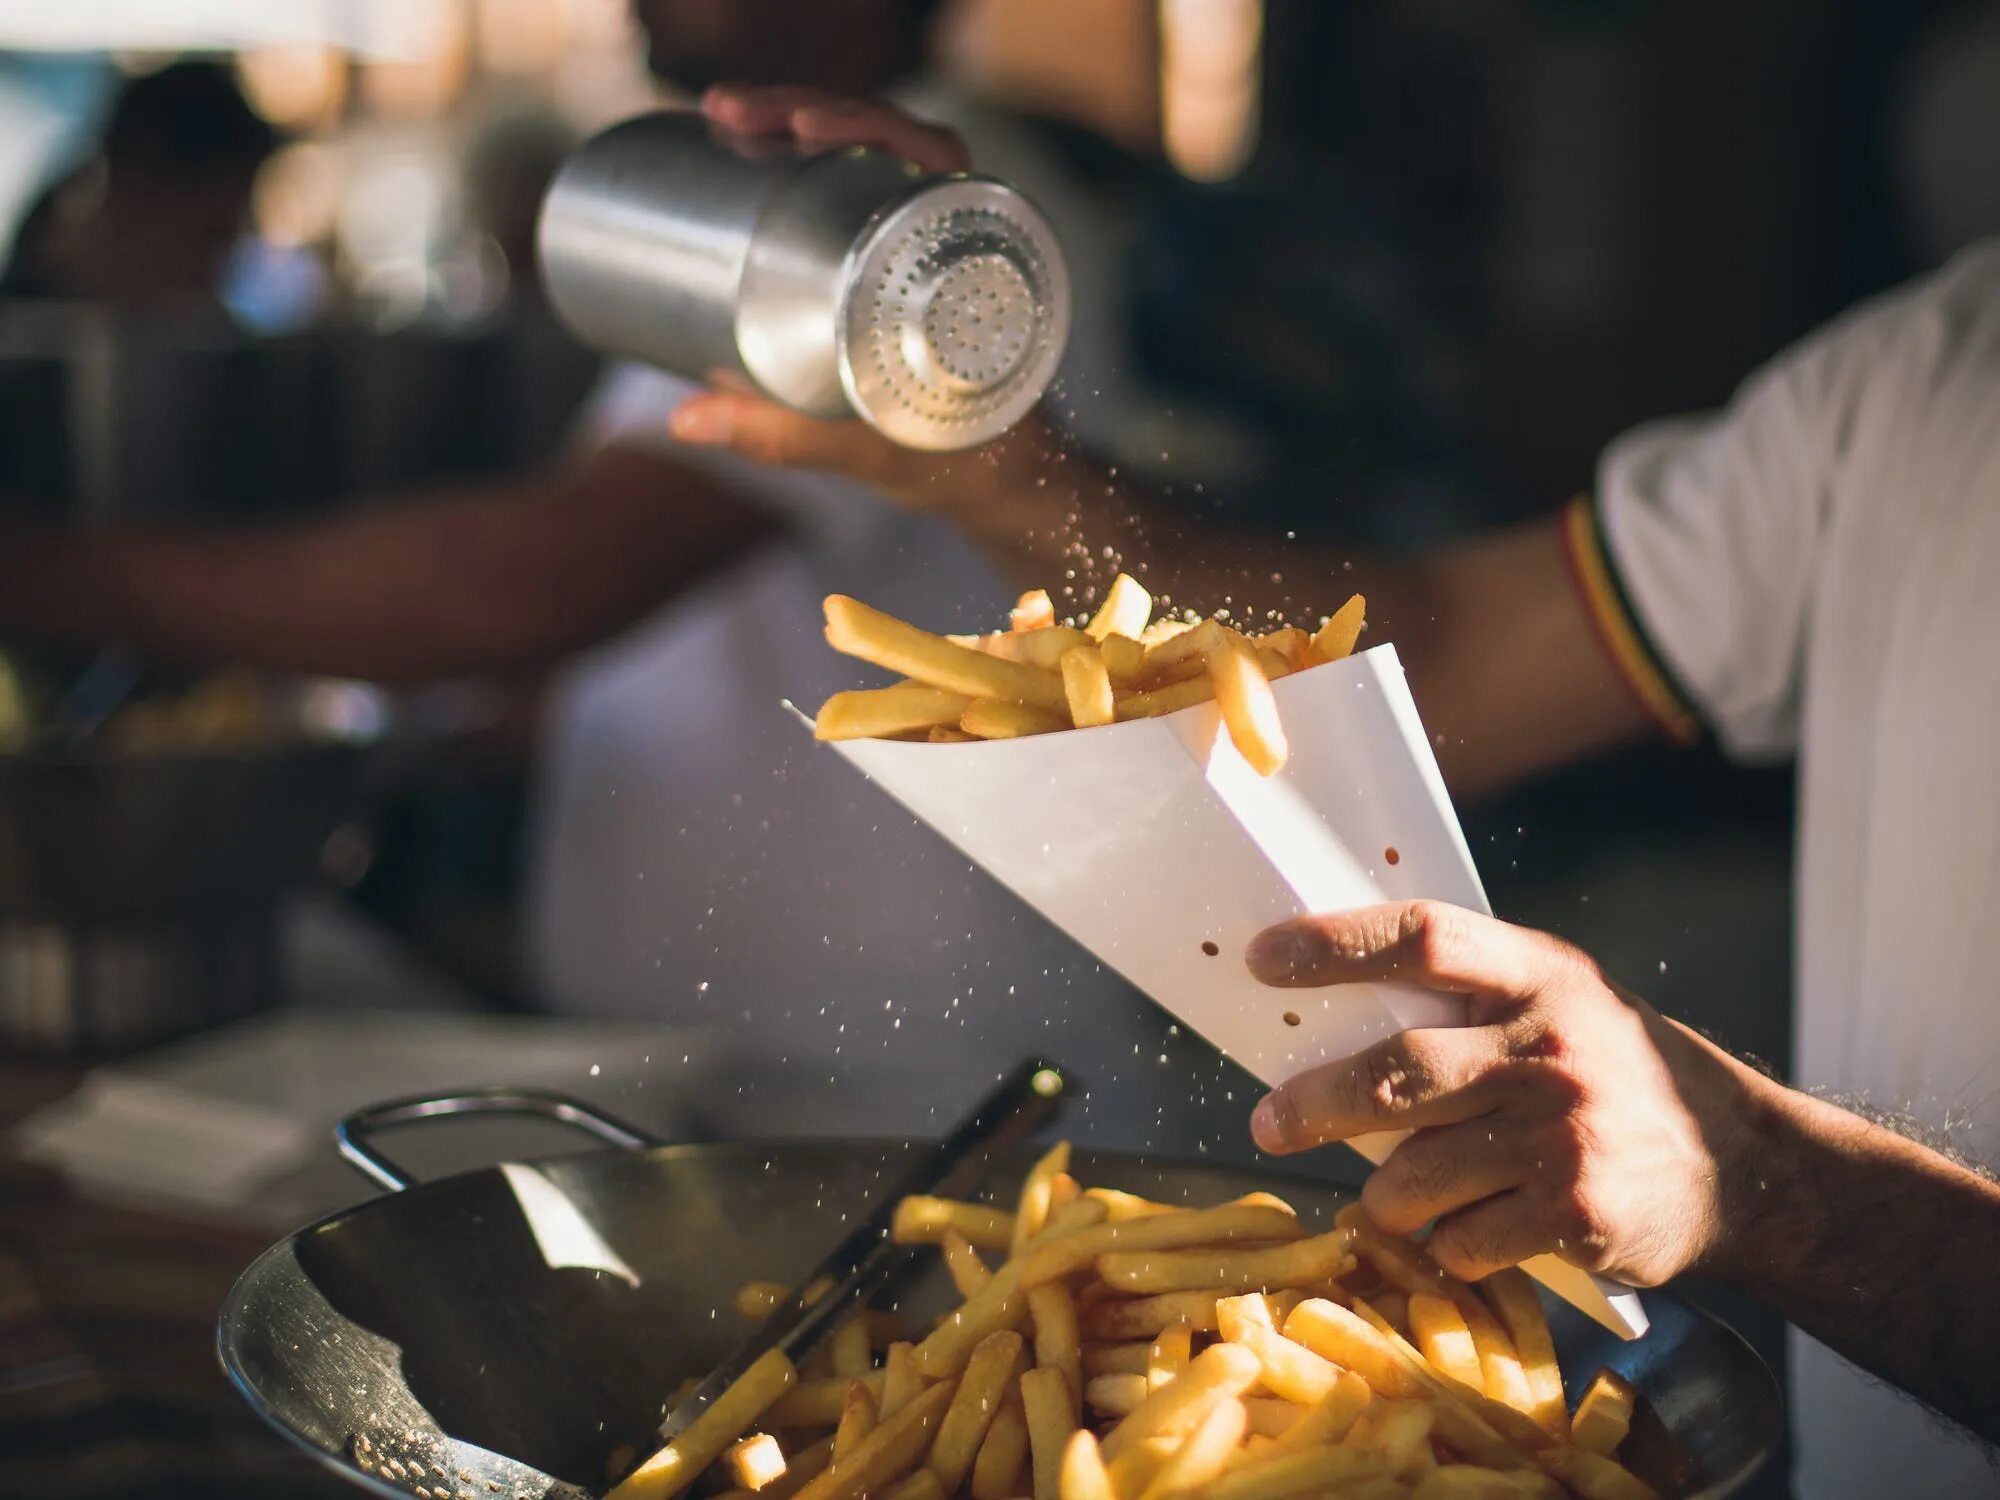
{"x": 1765, "y": 1198}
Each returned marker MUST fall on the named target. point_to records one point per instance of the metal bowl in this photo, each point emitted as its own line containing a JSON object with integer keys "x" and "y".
{"x": 485, "y": 1332}
{"x": 139, "y": 890}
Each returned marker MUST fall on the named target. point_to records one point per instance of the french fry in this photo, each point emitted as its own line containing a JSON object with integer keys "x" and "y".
{"x": 922, "y": 1220}
{"x": 801, "y": 1469}
{"x": 998, "y": 1304}
{"x": 875, "y": 713}
{"x": 1287, "y": 1369}
{"x": 1511, "y": 1295}
{"x": 1124, "y": 658}
{"x": 852, "y": 1353}
{"x": 1520, "y": 1430}
{"x": 1394, "y": 1308}
{"x": 996, "y": 1471}
{"x": 1290, "y": 642}
{"x": 678, "y": 1464}
{"x": 945, "y": 734}
{"x": 1300, "y": 1263}
{"x": 1031, "y": 1212}
{"x": 1244, "y": 695}
{"x": 1046, "y": 1402}
{"x": 1064, "y": 1191}
{"x": 1185, "y": 653}
{"x": 968, "y": 1272}
{"x": 858, "y": 1416}
{"x": 1003, "y": 719}
{"x": 1220, "y": 1372}
{"x": 887, "y": 1453}
{"x": 1058, "y": 1346}
{"x": 1438, "y": 1330}
{"x": 1083, "y": 1476}
{"x": 1604, "y": 1415}
{"x": 1117, "y": 1359}
{"x": 1087, "y": 681}
{"x": 1593, "y": 1476}
{"x": 1166, "y": 700}
{"x": 1303, "y": 1471}
{"x": 1132, "y": 1470}
{"x": 1115, "y": 1395}
{"x": 1203, "y": 1454}
{"x": 1410, "y": 1269}
{"x": 1034, "y": 610}
{"x": 1146, "y": 1317}
{"x": 1036, "y": 648}
{"x": 759, "y": 1299}
{"x": 856, "y": 630}
{"x": 1399, "y": 1432}
{"x": 1336, "y": 636}
{"x": 1348, "y": 1339}
{"x": 1125, "y": 610}
{"x": 755, "y": 1461}
{"x": 1160, "y": 1232}
{"x": 1270, "y": 1416}
{"x": 987, "y": 1376}
{"x": 1169, "y": 1355}
{"x": 819, "y": 1403}
{"x": 922, "y": 1485}
{"x": 1328, "y": 1419}
{"x": 901, "y": 1379}
{"x": 1120, "y": 1206}
{"x": 1465, "y": 1482}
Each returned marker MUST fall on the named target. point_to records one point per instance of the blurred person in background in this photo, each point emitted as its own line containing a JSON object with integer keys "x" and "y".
{"x": 1806, "y": 573}
{"x": 149, "y": 221}
{"x": 680, "y": 807}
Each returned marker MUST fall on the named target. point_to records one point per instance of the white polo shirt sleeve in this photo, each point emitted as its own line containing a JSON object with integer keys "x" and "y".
{"x": 1698, "y": 556}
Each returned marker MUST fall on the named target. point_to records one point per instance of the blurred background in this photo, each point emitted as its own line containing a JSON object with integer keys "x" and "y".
{"x": 1396, "y": 270}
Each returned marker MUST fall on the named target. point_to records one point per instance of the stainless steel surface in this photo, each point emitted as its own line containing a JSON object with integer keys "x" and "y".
{"x": 354, "y": 1137}
{"x": 544, "y": 1313}
{"x": 844, "y": 283}
{"x": 867, "y": 1262}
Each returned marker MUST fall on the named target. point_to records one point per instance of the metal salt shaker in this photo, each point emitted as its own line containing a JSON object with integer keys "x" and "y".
{"x": 844, "y": 283}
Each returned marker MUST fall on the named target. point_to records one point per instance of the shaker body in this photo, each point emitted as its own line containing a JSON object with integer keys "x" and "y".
{"x": 841, "y": 283}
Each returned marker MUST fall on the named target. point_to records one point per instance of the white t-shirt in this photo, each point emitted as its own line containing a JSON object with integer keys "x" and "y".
{"x": 698, "y": 858}
{"x": 1816, "y": 572}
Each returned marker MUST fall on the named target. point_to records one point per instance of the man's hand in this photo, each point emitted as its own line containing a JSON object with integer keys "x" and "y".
{"x": 1568, "y": 1116}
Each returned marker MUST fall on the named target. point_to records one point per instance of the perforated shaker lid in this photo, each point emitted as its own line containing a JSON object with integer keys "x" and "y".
{"x": 955, "y": 315}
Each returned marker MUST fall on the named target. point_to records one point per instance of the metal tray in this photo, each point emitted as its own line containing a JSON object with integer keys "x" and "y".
{"x": 472, "y": 1337}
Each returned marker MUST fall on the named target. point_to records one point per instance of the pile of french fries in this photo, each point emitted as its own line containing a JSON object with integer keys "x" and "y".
{"x": 1038, "y": 676}
{"x": 1122, "y": 1349}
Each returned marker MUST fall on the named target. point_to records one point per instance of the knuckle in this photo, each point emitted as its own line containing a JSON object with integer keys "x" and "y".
{"x": 1428, "y": 1170}
{"x": 1465, "y": 1249}
{"x": 1432, "y": 935}
{"x": 1390, "y": 1076}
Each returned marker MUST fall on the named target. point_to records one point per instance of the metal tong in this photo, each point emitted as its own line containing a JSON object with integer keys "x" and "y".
{"x": 868, "y": 1259}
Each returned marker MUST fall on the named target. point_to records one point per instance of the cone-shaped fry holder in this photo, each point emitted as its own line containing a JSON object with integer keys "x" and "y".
{"x": 1154, "y": 845}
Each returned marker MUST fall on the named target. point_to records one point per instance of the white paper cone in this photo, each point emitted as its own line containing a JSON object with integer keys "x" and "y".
{"x": 1147, "y": 840}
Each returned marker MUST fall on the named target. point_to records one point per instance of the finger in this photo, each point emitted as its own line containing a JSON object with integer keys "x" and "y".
{"x": 854, "y": 122}
{"x": 1413, "y": 1079}
{"x": 1446, "y": 1168}
{"x": 1490, "y": 1236}
{"x": 759, "y": 111}
{"x": 771, "y": 434}
{"x": 1429, "y": 942}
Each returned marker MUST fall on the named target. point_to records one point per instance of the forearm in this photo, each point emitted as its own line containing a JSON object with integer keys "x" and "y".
{"x": 1878, "y": 1247}
{"x": 436, "y": 587}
